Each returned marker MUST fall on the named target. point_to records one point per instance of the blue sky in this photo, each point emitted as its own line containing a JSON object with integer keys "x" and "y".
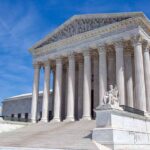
{"x": 24, "y": 22}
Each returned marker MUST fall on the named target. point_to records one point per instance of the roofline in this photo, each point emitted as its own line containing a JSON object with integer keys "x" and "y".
{"x": 22, "y": 96}
{"x": 104, "y": 15}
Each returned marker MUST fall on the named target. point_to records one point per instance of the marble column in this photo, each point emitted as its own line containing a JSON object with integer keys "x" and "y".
{"x": 35, "y": 93}
{"x": 80, "y": 89}
{"x": 140, "y": 97}
{"x": 46, "y": 93}
{"x": 58, "y": 91}
{"x": 71, "y": 89}
{"x": 120, "y": 71}
{"x": 102, "y": 73}
{"x": 129, "y": 79}
{"x": 87, "y": 87}
{"x": 146, "y": 57}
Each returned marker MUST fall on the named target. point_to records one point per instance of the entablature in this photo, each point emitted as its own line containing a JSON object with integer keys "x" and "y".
{"x": 93, "y": 44}
{"x": 96, "y": 33}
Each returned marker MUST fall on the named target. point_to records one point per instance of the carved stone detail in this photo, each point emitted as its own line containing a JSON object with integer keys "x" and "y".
{"x": 137, "y": 39}
{"x": 119, "y": 43}
{"x": 101, "y": 49}
{"x": 36, "y": 65}
{"x": 146, "y": 45}
{"x": 78, "y": 26}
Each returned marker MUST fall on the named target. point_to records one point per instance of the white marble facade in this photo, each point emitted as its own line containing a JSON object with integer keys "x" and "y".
{"x": 87, "y": 54}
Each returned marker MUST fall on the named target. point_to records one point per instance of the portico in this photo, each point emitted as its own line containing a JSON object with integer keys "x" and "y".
{"x": 115, "y": 51}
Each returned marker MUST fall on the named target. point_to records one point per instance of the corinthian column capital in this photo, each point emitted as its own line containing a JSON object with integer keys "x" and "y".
{"x": 146, "y": 46}
{"x": 101, "y": 48}
{"x": 36, "y": 65}
{"x": 86, "y": 53}
{"x": 71, "y": 55}
{"x": 118, "y": 44}
{"x": 136, "y": 40}
{"x": 58, "y": 60}
{"x": 47, "y": 63}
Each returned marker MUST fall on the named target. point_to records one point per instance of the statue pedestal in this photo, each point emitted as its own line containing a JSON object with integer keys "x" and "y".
{"x": 120, "y": 130}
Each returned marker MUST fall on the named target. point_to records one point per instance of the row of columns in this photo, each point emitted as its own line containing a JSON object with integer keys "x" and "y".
{"x": 142, "y": 82}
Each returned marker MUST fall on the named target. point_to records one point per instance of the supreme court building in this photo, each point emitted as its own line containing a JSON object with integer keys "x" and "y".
{"x": 86, "y": 54}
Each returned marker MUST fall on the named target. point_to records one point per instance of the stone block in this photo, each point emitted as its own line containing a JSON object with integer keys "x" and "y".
{"x": 140, "y": 125}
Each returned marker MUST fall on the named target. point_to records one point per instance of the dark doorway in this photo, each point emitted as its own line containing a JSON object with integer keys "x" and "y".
{"x": 19, "y": 117}
{"x": 50, "y": 116}
{"x": 40, "y": 115}
{"x": 92, "y": 104}
{"x": 12, "y": 117}
{"x": 26, "y": 117}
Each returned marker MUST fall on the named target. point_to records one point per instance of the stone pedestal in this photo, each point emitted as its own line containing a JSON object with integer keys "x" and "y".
{"x": 120, "y": 130}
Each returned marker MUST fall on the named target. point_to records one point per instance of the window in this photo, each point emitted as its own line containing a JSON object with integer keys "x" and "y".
{"x": 26, "y": 117}
{"x": 19, "y": 117}
{"x": 12, "y": 117}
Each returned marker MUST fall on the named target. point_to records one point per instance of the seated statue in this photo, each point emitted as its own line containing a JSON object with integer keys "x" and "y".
{"x": 111, "y": 96}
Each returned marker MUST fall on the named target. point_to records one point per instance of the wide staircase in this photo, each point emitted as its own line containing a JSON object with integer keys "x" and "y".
{"x": 64, "y": 135}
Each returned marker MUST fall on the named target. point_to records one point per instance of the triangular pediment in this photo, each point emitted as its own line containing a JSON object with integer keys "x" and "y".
{"x": 82, "y": 23}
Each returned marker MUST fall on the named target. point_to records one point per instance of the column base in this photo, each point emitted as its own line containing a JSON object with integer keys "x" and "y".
{"x": 86, "y": 118}
{"x": 54, "y": 120}
{"x": 33, "y": 121}
{"x": 147, "y": 114}
{"x": 44, "y": 121}
{"x": 69, "y": 119}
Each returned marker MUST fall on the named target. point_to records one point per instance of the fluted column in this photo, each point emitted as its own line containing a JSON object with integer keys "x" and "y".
{"x": 129, "y": 79}
{"x": 46, "y": 92}
{"x": 87, "y": 86}
{"x": 58, "y": 91}
{"x": 102, "y": 73}
{"x": 71, "y": 89}
{"x": 120, "y": 71}
{"x": 35, "y": 93}
{"x": 140, "y": 98}
{"x": 146, "y": 47}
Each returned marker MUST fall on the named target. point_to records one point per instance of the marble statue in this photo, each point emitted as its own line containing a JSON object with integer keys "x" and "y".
{"x": 111, "y": 97}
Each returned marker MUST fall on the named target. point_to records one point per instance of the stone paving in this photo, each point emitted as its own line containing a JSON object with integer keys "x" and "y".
{"x": 64, "y": 135}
